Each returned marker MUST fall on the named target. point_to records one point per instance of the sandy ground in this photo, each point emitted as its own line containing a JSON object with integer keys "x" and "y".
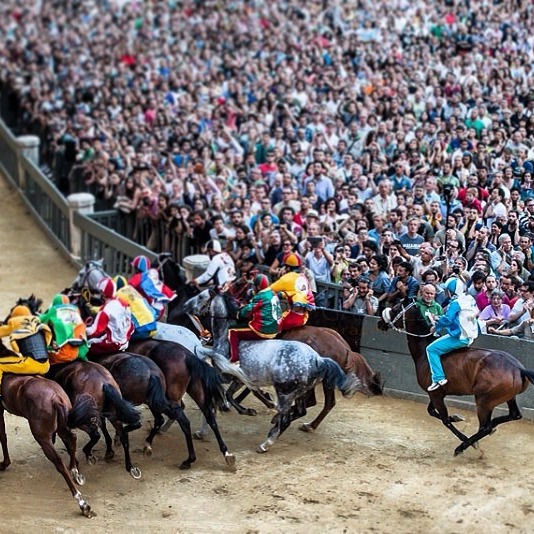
{"x": 375, "y": 465}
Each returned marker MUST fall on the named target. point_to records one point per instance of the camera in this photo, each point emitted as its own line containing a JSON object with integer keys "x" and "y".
{"x": 447, "y": 192}
{"x": 315, "y": 241}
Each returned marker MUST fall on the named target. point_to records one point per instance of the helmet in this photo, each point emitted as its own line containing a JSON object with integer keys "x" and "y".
{"x": 20, "y": 311}
{"x": 293, "y": 260}
{"x": 261, "y": 282}
{"x": 214, "y": 245}
{"x": 107, "y": 287}
{"x": 120, "y": 281}
{"x": 455, "y": 286}
{"x": 141, "y": 263}
{"x": 60, "y": 299}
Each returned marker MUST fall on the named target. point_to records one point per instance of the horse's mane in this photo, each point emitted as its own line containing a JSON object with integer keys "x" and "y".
{"x": 32, "y": 302}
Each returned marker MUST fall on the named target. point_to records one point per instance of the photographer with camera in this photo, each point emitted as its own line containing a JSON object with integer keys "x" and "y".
{"x": 319, "y": 260}
{"x": 360, "y": 299}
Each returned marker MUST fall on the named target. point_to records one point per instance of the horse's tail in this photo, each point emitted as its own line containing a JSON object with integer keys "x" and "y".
{"x": 84, "y": 412}
{"x": 210, "y": 379}
{"x": 529, "y": 375}
{"x": 124, "y": 410}
{"x": 156, "y": 397}
{"x": 334, "y": 377}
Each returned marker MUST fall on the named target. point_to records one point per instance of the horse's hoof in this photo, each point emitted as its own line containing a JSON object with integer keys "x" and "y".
{"x": 251, "y": 411}
{"x": 86, "y": 511}
{"x": 306, "y": 427}
{"x": 109, "y": 456}
{"x": 457, "y": 418}
{"x": 147, "y": 450}
{"x": 116, "y": 440}
{"x": 230, "y": 459}
{"x": 3, "y": 466}
{"x": 135, "y": 472}
{"x": 78, "y": 477}
{"x": 92, "y": 459}
{"x": 199, "y": 435}
{"x": 225, "y": 408}
{"x": 459, "y": 450}
{"x": 262, "y": 449}
{"x": 185, "y": 465}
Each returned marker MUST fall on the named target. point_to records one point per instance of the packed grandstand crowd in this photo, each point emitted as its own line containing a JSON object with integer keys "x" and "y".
{"x": 386, "y": 143}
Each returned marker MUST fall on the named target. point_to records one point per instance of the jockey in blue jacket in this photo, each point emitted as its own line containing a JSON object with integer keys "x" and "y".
{"x": 460, "y": 324}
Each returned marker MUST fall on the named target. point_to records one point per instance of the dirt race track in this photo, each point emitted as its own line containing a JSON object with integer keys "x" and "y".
{"x": 375, "y": 465}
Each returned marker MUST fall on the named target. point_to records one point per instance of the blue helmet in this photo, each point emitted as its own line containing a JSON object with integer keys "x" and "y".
{"x": 455, "y": 286}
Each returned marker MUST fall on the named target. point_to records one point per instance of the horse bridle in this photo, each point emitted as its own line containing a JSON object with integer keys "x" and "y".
{"x": 85, "y": 278}
{"x": 402, "y": 313}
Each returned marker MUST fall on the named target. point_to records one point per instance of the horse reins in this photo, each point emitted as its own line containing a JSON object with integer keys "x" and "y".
{"x": 402, "y": 313}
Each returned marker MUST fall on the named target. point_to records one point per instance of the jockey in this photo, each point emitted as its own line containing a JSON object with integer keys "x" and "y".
{"x": 146, "y": 281}
{"x": 263, "y": 313}
{"x": 68, "y": 329}
{"x": 28, "y": 339}
{"x": 459, "y": 321}
{"x": 112, "y": 327}
{"x": 221, "y": 268}
{"x": 296, "y": 288}
{"x": 143, "y": 315}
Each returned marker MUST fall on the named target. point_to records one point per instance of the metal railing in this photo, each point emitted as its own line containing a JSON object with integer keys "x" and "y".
{"x": 9, "y": 149}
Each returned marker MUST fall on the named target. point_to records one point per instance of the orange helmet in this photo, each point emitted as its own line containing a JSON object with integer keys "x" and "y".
{"x": 293, "y": 260}
{"x": 20, "y": 311}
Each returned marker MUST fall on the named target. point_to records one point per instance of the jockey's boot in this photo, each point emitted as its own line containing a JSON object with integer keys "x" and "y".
{"x": 205, "y": 337}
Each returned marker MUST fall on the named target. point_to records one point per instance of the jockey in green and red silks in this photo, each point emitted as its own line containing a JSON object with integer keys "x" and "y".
{"x": 263, "y": 313}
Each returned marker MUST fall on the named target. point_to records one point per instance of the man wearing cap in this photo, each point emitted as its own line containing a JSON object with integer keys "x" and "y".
{"x": 295, "y": 287}
{"x": 221, "y": 268}
{"x": 461, "y": 327}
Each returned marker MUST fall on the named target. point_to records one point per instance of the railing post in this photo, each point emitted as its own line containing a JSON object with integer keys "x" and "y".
{"x": 84, "y": 203}
{"x": 29, "y": 147}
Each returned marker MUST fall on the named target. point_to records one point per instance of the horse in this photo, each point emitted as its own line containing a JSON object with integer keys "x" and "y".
{"x": 492, "y": 376}
{"x": 143, "y": 382}
{"x": 49, "y": 412}
{"x": 90, "y": 275}
{"x": 291, "y": 367}
{"x": 185, "y": 373}
{"x": 90, "y": 380}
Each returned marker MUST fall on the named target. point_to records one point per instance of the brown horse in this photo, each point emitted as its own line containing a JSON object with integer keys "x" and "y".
{"x": 93, "y": 382}
{"x": 330, "y": 344}
{"x": 143, "y": 382}
{"x": 185, "y": 373}
{"x": 492, "y": 376}
{"x": 49, "y": 413}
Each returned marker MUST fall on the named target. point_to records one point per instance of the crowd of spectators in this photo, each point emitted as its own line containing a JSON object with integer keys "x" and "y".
{"x": 388, "y": 142}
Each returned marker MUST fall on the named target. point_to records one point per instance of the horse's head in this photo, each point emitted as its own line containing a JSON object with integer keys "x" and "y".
{"x": 404, "y": 317}
{"x": 171, "y": 273}
{"x": 90, "y": 275}
{"x": 199, "y": 304}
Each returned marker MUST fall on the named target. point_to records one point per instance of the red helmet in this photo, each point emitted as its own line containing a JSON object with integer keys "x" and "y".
{"x": 107, "y": 287}
{"x": 141, "y": 263}
{"x": 293, "y": 260}
{"x": 261, "y": 282}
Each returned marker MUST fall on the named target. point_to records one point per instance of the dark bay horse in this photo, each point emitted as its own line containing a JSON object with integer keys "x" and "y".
{"x": 95, "y": 383}
{"x": 493, "y": 376}
{"x": 143, "y": 382}
{"x": 185, "y": 373}
{"x": 49, "y": 413}
{"x": 291, "y": 367}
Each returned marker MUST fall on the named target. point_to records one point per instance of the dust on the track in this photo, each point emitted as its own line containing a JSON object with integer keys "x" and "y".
{"x": 374, "y": 465}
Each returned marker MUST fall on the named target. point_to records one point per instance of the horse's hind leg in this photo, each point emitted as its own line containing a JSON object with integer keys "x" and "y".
{"x": 125, "y": 442}
{"x": 329, "y": 403}
{"x": 94, "y": 437}
{"x": 282, "y": 423}
{"x": 158, "y": 423}
{"x": 3, "y": 440}
{"x": 110, "y": 453}
{"x": 485, "y": 428}
{"x": 179, "y": 415}
{"x": 514, "y": 414}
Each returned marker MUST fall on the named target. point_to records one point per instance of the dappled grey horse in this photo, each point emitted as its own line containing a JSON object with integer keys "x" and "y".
{"x": 291, "y": 367}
